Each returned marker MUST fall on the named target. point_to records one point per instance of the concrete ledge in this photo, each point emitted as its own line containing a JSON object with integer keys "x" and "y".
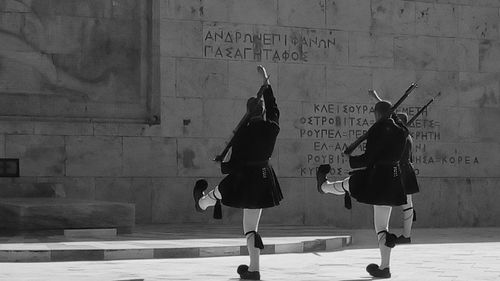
{"x": 119, "y": 250}
{"x": 103, "y": 232}
{"x": 19, "y": 215}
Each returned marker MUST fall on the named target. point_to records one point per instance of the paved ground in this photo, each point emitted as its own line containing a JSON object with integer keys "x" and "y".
{"x": 168, "y": 241}
{"x": 182, "y": 232}
{"x": 438, "y": 254}
{"x": 465, "y": 261}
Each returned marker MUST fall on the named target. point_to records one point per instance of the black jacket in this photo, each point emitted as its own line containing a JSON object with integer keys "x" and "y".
{"x": 255, "y": 141}
{"x": 380, "y": 183}
{"x": 252, "y": 182}
{"x": 407, "y": 171}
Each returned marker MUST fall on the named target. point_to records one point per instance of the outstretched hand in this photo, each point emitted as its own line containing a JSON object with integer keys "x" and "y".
{"x": 374, "y": 94}
{"x": 262, "y": 71}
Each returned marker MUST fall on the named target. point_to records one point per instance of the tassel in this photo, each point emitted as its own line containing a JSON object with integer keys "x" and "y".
{"x": 414, "y": 215}
{"x": 218, "y": 210}
{"x": 257, "y": 240}
{"x": 347, "y": 201}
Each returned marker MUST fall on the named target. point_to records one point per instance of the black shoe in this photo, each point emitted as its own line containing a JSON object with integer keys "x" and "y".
{"x": 375, "y": 271}
{"x": 321, "y": 173}
{"x": 198, "y": 189}
{"x": 403, "y": 240}
{"x": 390, "y": 240}
{"x": 247, "y": 275}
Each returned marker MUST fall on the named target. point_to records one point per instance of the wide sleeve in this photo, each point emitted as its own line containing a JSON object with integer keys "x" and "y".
{"x": 272, "y": 111}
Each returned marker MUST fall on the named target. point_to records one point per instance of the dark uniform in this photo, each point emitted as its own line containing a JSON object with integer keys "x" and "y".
{"x": 252, "y": 183}
{"x": 407, "y": 171}
{"x": 380, "y": 183}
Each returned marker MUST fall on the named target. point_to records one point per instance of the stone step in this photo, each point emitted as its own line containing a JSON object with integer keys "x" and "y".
{"x": 29, "y": 189}
{"x": 45, "y": 214}
{"x": 94, "y": 232}
{"x": 163, "y": 249}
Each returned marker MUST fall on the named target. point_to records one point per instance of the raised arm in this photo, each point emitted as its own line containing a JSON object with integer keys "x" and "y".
{"x": 265, "y": 77}
{"x": 272, "y": 111}
{"x": 374, "y": 94}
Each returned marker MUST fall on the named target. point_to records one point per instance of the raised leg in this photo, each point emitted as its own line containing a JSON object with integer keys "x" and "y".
{"x": 336, "y": 187}
{"x": 210, "y": 198}
{"x": 204, "y": 200}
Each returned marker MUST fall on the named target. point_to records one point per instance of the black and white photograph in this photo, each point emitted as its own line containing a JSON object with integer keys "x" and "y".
{"x": 308, "y": 140}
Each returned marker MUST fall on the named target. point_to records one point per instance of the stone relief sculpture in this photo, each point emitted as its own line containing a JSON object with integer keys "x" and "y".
{"x": 86, "y": 52}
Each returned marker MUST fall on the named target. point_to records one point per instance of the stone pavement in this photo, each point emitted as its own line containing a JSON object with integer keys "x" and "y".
{"x": 170, "y": 241}
{"x": 437, "y": 255}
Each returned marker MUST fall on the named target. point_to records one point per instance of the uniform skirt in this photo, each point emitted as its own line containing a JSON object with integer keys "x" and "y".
{"x": 251, "y": 188}
{"x": 409, "y": 178}
{"x": 380, "y": 185}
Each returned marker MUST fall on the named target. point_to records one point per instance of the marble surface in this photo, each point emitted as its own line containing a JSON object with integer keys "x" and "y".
{"x": 322, "y": 57}
{"x": 170, "y": 241}
{"x": 60, "y": 213}
{"x": 13, "y": 190}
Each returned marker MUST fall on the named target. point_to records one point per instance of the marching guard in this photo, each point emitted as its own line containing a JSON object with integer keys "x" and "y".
{"x": 251, "y": 183}
{"x": 376, "y": 180}
{"x": 410, "y": 184}
{"x": 408, "y": 175}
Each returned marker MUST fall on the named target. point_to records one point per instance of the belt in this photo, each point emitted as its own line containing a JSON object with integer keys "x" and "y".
{"x": 396, "y": 169}
{"x": 386, "y": 163}
{"x": 256, "y": 163}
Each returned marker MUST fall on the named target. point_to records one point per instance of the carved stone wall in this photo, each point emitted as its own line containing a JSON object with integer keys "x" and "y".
{"x": 322, "y": 57}
{"x": 74, "y": 59}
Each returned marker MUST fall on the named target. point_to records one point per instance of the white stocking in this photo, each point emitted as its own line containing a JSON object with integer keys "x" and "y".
{"x": 407, "y": 216}
{"x": 251, "y": 218}
{"x": 336, "y": 187}
{"x": 381, "y": 216}
{"x": 210, "y": 198}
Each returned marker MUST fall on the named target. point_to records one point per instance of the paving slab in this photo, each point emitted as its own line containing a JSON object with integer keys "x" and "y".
{"x": 442, "y": 261}
{"x": 169, "y": 241}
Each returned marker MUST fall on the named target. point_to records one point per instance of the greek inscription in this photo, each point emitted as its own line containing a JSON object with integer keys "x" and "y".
{"x": 285, "y": 46}
{"x": 331, "y": 127}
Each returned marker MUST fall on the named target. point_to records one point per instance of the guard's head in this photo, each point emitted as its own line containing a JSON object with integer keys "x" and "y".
{"x": 382, "y": 109}
{"x": 255, "y": 107}
{"x": 403, "y": 117}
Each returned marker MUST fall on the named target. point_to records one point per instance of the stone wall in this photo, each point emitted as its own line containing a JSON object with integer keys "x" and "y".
{"x": 322, "y": 56}
{"x": 74, "y": 59}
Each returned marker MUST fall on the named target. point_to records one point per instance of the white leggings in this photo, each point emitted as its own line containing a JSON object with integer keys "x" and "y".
{"x": 336, "y": 187}
{"x": 381, "y": 216}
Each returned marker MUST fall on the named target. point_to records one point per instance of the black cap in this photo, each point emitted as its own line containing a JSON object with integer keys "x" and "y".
{"x": 255, "y": 106}
{"x": 383, "y": 107}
